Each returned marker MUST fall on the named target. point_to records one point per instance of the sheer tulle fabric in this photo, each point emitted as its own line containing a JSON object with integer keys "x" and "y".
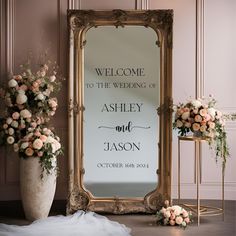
{"x": 78, "y": 224}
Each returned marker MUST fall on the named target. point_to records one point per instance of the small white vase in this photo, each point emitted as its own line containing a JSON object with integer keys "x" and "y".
{"x": 36, "y": 193}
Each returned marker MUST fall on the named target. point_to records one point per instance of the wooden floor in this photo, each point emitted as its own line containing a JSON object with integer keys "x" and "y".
{"x": 144, "y": 225}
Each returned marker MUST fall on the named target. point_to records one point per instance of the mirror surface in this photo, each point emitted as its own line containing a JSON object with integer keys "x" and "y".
{"x": 121, "y": 125}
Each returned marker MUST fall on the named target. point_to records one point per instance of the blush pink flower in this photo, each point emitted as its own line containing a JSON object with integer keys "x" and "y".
{"x": 172, "y": 222}
{"x": 178, "y": 220}
{"x": 37, "y": 144}
{"x": 43, "y": 138}
{"x": 16, "y": 115}
{"x": 195, "y": 126}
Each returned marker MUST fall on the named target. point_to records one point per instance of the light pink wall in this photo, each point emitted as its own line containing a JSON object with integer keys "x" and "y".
{"x": 38, "y": 25}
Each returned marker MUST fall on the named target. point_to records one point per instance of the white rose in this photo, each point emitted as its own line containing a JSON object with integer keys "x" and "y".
{"x": 10, "y": 140}
{"x": 9, "y": 120}
{"x": 25, "y": 113}
{"x": 24, "y": 145}
{"x": 14, "y": 124}
{"x": 12, "y": 83}
{"x": 52, "y": 78}
{"x": 196, "y": 103}
{"x": 212, "y": 112}
{"x": 37, "y": 144}
{"x": 21, "y": 98}
{"x": 40, "y": 96}
{"x": 50, "y": 139}
{"x": 20, "y": 91}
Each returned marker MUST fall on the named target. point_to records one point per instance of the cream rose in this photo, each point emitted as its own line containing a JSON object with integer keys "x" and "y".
{"x": 25, "y": 114}
{"x": 187, "y": 124}
{"x": 40, "y": 96}
{"x": 21, "y": 98}
{"x": 10, "y": 140}
{"x": 167, "y": 214}
{"x": 172, "y": 222}
{"x": 12, "y": 83}
{"x": 203, "y": 128}
{"x": 203, "y": 112}
{"x": 179, "y": 123}
{"x": 37, "y": 144}
{"x": 211, "y": 125}
{"x": 24, "y": 145}
{"x": 196, "y": 103}
{"x": 52, "y": 78}
{"x": 52, "y": 103}
{"x": 9, "y": 120}
{"x": 185, "y": 115}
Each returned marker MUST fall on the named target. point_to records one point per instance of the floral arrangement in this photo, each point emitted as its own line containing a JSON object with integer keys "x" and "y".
{"x": 173, "y": 215}
{"x": 201, "y": 118}
{"x": 29, "y": 106}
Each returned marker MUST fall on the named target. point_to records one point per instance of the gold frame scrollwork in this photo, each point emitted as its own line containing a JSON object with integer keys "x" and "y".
{"x": 79, "y": 22}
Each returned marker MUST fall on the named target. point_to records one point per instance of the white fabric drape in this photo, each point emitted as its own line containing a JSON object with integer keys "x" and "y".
{"x": 78, "y": 224}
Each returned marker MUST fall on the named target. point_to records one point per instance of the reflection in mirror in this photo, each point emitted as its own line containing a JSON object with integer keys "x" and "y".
{"x": 121, "y": 126}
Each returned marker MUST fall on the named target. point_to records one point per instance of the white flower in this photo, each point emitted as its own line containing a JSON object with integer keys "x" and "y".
{"x": 25, "y": 114}
{"x": 52, "y": 103}
{"x": 21, "y": 98}
{"x": 11, "y": 131}
{"x": 37, "y": 144}
{"x": 177, "y": 210}
{"x": 9, "y": 120}
{"x": 10, "y": 140}
{"x": 21, "y": 91}
{"x": 196, "y": 103}
{"x": 16, "y": 147}
{"x": 40, "y": 96}
{"x": 12, "y": 83}
{"x": 52, "y": 78}
{"x": 212, "y": 112}
{"x": 14, "y": 124}
{"x": 167, "y": 214}
{"x": 24, "y": 145}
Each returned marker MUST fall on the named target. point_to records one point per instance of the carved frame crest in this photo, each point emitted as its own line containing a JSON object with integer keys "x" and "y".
{"x": 79, "y": 22}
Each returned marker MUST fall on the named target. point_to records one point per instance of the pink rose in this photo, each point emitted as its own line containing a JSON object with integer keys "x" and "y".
{"x": 16, "y": 115}
{"x": 43, "y": 138}
{"x": 37, "y": 133}
{"x": 33, "y": 124}
{"x": 40, "y": 154}
{"x": 179, "y": 220}
{"x": 172, "y": 216}
{"x": 185, "y": 213}
{"x": 35, "y": 84}
{"x": 198, "y": 118}
{"x": 195, "y": 126}
{"x": 37, "y": 144}
{"x": 187, "y": 220}
{"x": 203, "y": 112}
{"x": 23, "y": 87}
{"x": 172, "y": 222}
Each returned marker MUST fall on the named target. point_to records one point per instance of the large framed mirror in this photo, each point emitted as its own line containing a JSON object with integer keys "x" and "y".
{"x": 120, "y": 104}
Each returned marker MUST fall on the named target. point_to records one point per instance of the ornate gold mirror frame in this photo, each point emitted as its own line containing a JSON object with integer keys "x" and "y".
{"x": 80, "y": 21}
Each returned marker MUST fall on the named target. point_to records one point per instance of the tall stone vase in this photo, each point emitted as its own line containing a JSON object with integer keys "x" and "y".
{"x": 36, "y": 193}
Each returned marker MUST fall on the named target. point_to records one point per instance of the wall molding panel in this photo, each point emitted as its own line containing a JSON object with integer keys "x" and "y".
{"x": 10, "y": 35}
{"x": 200, "y": 73}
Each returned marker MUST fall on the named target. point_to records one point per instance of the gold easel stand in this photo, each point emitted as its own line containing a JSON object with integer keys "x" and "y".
{"x": 198, "y": 209}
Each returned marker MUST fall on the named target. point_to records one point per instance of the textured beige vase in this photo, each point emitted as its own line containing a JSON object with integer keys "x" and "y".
{"x": 37, "y": 194}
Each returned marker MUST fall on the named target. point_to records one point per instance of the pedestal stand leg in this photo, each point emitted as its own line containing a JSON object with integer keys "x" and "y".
{"x": 197, "y": 157}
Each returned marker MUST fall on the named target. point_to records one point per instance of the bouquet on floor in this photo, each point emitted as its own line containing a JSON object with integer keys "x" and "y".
{"x": 173, "y": 215}
{"x": 201, "y": 118}
{"x": 30, "y": 103}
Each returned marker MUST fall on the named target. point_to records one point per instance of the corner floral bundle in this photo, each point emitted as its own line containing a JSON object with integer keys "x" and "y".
{"x": 173, "y": 215}
{"x": 29, "y": 105}
{"x": 201, "y": 118}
